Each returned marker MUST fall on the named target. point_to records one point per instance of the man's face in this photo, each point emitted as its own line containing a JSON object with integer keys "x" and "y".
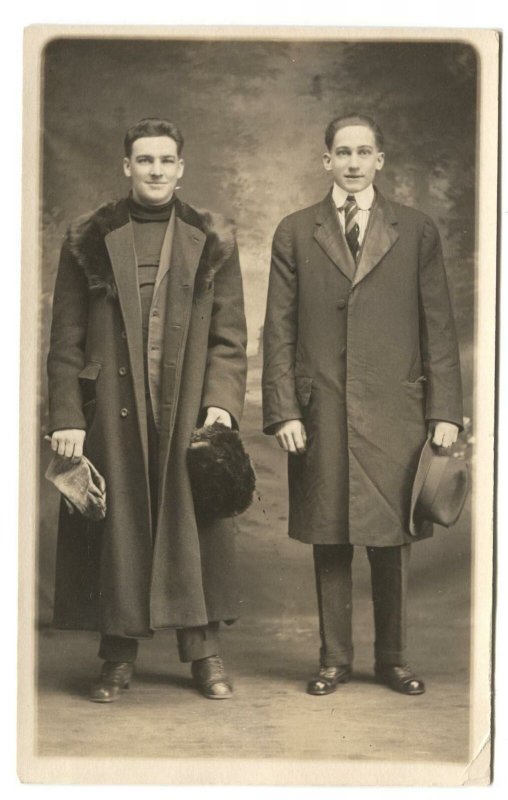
{"x": 154, "y": 168}
{"x": 354, "y": 158}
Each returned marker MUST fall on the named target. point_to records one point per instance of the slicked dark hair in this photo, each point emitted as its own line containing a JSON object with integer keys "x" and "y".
{"x": 353, "y": 119}
{"x": 152, "y": 126}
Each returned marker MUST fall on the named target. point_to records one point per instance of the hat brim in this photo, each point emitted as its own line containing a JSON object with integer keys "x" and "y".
{"x": 422, "y": 471}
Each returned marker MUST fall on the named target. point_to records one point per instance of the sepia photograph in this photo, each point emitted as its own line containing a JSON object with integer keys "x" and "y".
{"x": 259, "y": 327}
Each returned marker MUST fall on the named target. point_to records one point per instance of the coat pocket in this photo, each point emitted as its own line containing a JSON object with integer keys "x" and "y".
{"x": 91, "y": 371}
{"x": 303, "y": 390}
{"x": 204, "y": 293}
{"x": 88, "y": 381}
{"x": 418, "y": 386}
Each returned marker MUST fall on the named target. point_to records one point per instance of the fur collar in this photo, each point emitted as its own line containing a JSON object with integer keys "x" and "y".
{"x": 86, "y": 239}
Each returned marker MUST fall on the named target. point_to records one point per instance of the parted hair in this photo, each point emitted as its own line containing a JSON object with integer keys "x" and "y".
{"x": 353, "y": 119}
{"x": 152, "y": 126}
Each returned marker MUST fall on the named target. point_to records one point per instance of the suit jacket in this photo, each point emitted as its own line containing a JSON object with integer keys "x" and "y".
{"x": 365, "y": 354}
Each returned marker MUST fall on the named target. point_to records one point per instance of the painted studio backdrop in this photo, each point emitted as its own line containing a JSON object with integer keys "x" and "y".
{"x": 253, "y": 115}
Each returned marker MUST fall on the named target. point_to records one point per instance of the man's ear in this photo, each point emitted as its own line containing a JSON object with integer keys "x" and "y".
{"x": 380, "y": 161}
{"x": 181, "y": 167}
{"x": 127, "y": 167}
{"x": 327, "y": 161}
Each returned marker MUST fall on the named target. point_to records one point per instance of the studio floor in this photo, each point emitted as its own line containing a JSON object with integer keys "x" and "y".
{"x": 270, "y": 715}
{"x": 270, "y": 652}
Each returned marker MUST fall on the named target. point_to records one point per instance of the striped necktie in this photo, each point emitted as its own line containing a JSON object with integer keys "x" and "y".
{"x": 351, "y": 227}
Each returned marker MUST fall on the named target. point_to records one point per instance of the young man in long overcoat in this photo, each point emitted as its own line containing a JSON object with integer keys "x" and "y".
{"x": 360, "y": 364}
{"x": 147, "y": 342}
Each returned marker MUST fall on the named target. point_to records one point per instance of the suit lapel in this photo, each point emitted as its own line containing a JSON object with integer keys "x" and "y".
{"x": 120, "y": 246}
{"x": 380, "y": 237}
{"x": 328, "y": 234}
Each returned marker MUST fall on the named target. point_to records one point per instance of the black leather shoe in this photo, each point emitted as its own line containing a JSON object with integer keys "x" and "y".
{"x": 328, "y": 679}
{"x": 115, "y": 676}
{"x": 399, "y": 678}
{"x": 210, "y": 678}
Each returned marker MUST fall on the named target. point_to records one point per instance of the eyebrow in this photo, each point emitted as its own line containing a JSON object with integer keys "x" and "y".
{"x": 358, "y": 147}
{"x": 149, "y": 155}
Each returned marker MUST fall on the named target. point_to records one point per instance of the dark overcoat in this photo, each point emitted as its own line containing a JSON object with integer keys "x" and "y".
{"x": 118, "y": 576}
{"x": 365, "y": 354}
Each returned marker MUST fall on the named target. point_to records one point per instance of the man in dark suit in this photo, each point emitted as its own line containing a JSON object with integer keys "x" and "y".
{"x": 360, "y": 365}
{"x": 147, "y": 342}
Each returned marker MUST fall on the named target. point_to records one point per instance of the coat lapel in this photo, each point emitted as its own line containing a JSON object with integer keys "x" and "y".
{"x": 330, "y": 238}
{"x": 187, "y": 249}
{"x": 120, "y": 246}
{"x": 380, "y": 237}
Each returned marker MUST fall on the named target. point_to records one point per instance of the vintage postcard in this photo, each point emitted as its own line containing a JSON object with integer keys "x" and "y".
{"x": 279, "y": 244}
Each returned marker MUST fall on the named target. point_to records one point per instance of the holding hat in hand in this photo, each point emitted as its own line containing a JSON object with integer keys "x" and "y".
{"x": 221, "y": 473}
{"x": 439, "y": 489}
{"x": 81, "y": 485}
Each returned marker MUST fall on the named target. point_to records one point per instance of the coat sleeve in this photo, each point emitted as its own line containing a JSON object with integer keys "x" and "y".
{"x": 438, "y": 337}
{"x": 280, "y": 333}
{"x": 66, "y": 356}
{"x": 226, "y": 368}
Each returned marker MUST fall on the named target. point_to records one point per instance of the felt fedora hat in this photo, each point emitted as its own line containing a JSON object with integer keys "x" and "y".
{"x": 439, "y": 490}
{"x": 221, "y": 473}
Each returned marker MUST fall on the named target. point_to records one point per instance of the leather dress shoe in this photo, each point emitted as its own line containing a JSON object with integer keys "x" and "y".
{"x": 115, "y": 676}
{"x": 210, "y": 678}
{"x": 328, "y": 679}
{"x": 399, "y": 678}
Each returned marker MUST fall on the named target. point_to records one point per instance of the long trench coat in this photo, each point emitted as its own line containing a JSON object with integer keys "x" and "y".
{"x": 118, "y": 576}
{"x": 365, "y": 355}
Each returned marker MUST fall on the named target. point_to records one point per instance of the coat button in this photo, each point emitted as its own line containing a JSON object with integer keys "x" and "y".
{"x": 124, "y": 412}
{"x": 124, "y": 334}
{"x": 122, "y": 371}
{"x": 342, "y": 303}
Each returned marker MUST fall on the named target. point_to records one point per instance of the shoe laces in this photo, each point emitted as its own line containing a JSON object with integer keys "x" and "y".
{"x": 116, "y": 671}
{"x": 211, "y": 668}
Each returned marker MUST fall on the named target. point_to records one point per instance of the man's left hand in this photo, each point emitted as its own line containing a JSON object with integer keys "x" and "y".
{"x": 217, "y": 415}
{"x": 444, "y": 434}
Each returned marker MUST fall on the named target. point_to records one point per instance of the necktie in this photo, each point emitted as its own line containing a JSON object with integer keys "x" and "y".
{"x": 351, "y": 227}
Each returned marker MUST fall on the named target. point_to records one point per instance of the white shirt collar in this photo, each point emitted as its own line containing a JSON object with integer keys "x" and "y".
{"x": 364, "y": 199}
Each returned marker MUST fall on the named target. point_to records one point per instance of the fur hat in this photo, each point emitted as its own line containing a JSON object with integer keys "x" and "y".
{"x": 221, "y": 473}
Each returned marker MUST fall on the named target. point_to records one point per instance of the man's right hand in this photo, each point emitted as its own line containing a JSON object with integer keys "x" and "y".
{"x": 68, "y": 442}
{"x": 291, "y": 436}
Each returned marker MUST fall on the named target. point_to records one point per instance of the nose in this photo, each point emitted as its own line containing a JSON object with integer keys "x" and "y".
{"x": 353, "y": 162}
{"x": 156, "y": 168}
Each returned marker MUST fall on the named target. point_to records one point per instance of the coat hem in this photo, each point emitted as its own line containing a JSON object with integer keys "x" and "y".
{"x": 81, "y": 626}
{"x": 403, "y": 539}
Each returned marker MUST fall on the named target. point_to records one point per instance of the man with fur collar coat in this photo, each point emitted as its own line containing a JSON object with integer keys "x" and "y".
{"x": 147, "y": 342}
